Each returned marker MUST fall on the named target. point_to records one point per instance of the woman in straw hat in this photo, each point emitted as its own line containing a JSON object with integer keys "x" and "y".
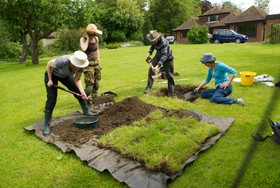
{"x": 163, "y": 57}
{"x": 92, "y": 74}
{"x": 67, "y": 70}
{"x": 219, "y": 71}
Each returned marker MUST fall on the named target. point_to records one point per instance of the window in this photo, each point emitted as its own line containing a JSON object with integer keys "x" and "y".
{"x": 228, "y": 33}
{"x": 213, "y": 18}
{"x": 249, "y": 29}
{"x": 221, "y": 32}
{"x": 183, "y": 34}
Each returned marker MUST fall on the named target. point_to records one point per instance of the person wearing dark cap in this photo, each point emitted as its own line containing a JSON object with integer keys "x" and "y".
{"x": 163, "y": 57}
{"x": 219, "y": 71}
{"x": 92, "y": 73}
{"x": 67, "y": 70}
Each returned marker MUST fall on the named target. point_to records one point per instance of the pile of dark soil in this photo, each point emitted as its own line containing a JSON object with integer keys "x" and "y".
{"x": 103, "y": 99}
{"x": 121, "y": 113}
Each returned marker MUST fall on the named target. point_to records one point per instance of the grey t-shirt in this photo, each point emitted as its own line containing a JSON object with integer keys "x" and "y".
{"x": 62, "y": 69}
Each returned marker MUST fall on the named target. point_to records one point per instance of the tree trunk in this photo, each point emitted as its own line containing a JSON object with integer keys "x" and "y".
{"x": 25, "y": 48}
{"x": 35, "y": 53}
{"x": 34, "y": 47}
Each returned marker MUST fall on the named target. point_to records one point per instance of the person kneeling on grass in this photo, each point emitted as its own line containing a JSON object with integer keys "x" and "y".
{"x": 219, "y": 71}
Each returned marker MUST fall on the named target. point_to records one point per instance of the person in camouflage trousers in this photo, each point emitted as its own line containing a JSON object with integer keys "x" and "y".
{"x": 92, "y": 74}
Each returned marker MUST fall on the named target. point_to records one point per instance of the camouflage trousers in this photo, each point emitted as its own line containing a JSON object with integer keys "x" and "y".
{"x": 92, "y": 76}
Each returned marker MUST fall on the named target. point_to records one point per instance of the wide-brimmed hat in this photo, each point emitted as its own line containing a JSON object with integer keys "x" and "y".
{"x": 153, "y": 35}
{"x": 91, "y": 29}
{"x": 79, "y": 59}
{"x": 207, "y": 58}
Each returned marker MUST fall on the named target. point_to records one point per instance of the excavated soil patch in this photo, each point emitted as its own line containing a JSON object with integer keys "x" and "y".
{"x": 179, "y": 90}
{"x": 121, "y": 113}
{"x": 124, "y": 112}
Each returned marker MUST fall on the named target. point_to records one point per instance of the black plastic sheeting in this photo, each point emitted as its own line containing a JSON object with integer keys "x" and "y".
{"x": 132, "y": 173}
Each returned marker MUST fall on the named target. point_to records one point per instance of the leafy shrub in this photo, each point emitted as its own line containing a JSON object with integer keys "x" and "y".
{"x": 50, "y": 50}
{"x": 10, "y": 50}
{"x": 114, "y": 45}
{"x": 198, "y": 35}
{"x": 136, "y": 36}
{"x": 67, "y": 40}
{"x": 275, "y": 34}
{"x": 116, "y": 36}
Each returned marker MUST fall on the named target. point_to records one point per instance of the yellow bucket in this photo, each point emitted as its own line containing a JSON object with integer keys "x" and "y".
{"x": 247, "y": 78}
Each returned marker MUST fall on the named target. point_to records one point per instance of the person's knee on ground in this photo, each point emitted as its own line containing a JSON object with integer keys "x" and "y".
{"x": 215, "y": 99}
{"x": 204, "y": 94}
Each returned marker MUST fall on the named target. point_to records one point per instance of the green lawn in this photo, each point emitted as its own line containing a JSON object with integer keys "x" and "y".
{"x": 27, "y": 161}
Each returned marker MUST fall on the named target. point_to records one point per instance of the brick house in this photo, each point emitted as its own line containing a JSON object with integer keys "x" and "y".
{"x": 253, "y": 22}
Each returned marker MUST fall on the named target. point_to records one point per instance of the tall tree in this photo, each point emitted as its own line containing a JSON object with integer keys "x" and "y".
{"x": 79, "y": 13}
{"x": 263, "y": 4}
{"x": 229, "y": 5}
{"x": 32, "y": 20}
{"x": 168, "y": 14}
{"x": 36, "y": 19}
{"x": 205, "y": 6}
{"x": 122, "y": 19}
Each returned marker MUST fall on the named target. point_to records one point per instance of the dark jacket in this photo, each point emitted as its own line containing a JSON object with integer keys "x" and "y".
{"x": 164, "y": 52}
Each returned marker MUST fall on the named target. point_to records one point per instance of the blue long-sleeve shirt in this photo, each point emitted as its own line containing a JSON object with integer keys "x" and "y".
{"x": 164, "y": 52}
{"x": 220, "y": 74}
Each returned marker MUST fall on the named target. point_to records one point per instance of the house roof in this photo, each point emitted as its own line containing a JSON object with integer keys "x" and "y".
{"x": 225, "y": 20}
{"x": 216, "y": 10}
{"x": 273, "y": 16}
{"x": 251, "y": 14}
{"x": 193, "y": 21}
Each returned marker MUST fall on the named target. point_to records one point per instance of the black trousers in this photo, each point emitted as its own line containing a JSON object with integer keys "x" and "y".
{"x": 68, "y": 81}
{"x": 168, "y": 67}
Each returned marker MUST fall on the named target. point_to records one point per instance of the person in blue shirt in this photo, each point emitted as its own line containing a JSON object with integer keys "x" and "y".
{"x": 164, "y": 58}
{"x": 219, "y": 71}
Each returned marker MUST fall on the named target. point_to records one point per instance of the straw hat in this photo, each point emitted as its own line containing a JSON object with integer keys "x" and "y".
{"x": 153, "y": 35}
{"x": 92, "y": 29}
{"x": 207, "y": 58}
{"x": 79, "y": 59}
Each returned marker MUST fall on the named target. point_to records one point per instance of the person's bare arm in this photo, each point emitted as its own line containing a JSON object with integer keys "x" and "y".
{"x": 84, "y": 42}
{"x": 200, "y": 86}
{"x": 78, "y": 82}
{"x": 98, "y": 56}
{"x": 226, "y": 84}
{"x": 50, "y": 67}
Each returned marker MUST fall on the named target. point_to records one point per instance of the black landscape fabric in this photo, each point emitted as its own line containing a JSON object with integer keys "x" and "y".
{"x": 132, "y": 173}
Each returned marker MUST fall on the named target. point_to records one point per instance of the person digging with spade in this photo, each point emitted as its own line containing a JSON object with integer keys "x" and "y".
{"x": 67, "y": 70}
{"x": 163, "y": 57}
{"x": 219, "y": 71}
